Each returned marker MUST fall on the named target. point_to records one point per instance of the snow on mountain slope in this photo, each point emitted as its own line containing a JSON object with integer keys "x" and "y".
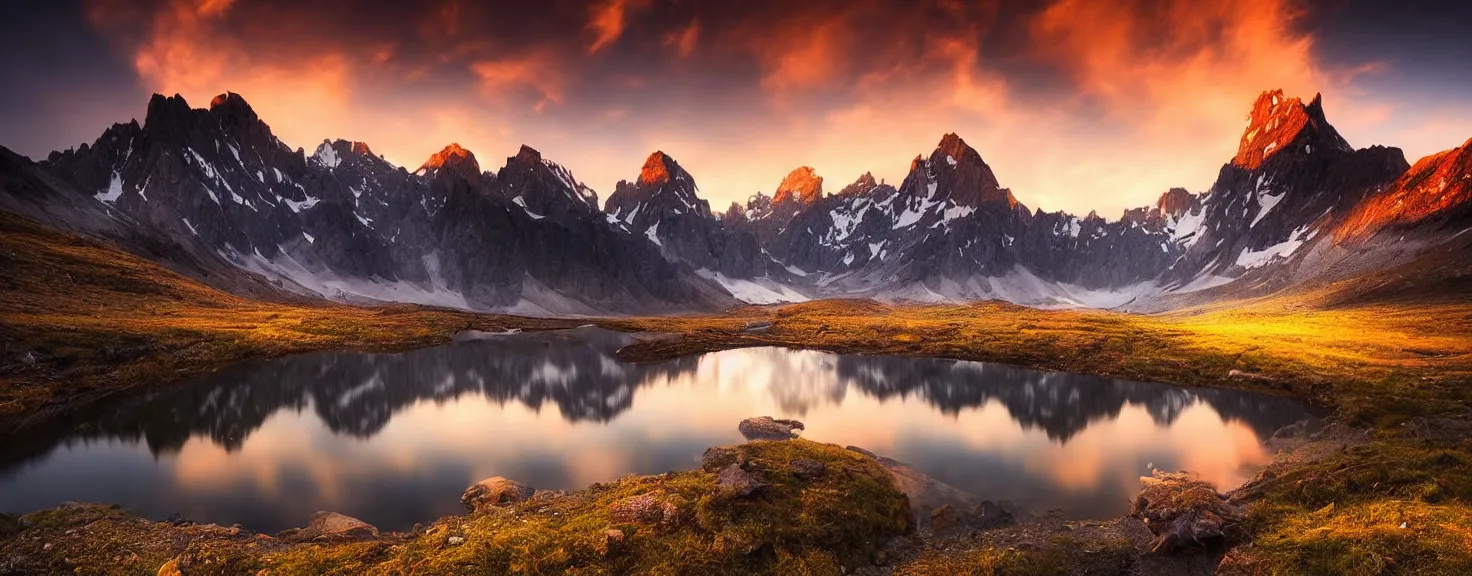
{"x": 346, "y": 224}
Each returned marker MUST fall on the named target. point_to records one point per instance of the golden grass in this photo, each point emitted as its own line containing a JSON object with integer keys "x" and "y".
{"x": 101, "y": 321}
{"x": 1391, "y": 361}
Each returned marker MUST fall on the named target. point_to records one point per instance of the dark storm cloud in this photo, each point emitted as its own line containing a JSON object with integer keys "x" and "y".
{"x": 1078, "y": 104}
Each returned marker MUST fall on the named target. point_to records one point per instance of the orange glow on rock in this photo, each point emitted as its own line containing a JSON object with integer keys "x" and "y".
{"x": 1435, "y": 184}
{"x": 656, "y": 170}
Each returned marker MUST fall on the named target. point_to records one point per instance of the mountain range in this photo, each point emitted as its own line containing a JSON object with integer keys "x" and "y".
{"x": 214, "y": 194}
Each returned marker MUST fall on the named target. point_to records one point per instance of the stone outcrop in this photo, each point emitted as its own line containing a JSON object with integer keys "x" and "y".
{"x": 767, "y": 428}
{"x": 802, "y": 186}
{"x": 1185, "y": 512}
{"x": 495, "y": 491}
{"x": 332, "y": 526}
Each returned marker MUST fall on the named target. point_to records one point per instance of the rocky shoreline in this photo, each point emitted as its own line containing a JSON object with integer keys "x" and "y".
{"x": 776, "y": 504}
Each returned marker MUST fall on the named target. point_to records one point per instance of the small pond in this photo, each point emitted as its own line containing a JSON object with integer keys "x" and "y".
{"x": 393, "y": 439}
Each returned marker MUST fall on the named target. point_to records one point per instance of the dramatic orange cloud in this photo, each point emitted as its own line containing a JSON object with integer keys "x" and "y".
{"x": 537, "y": 71}
{"x": 803, "y": 55}
{"x": 683, "y": 39}
{"x": 1077, "y": 104}
{"x": 606, "y": 21}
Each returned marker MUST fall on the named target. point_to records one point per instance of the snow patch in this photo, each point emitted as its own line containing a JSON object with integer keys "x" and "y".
{"x": 522, "y": 204}
{"x": 204, "y": 166}
{"x": 114, "y": 189}
{"x": 1258, "y": 258}
{"x": 653, "y": 234}
{"x": 330, "y": 285}
{"x": 325, "y": 156}
{"x": 296, "y": 206}
{"x": 753, "y": 292}
{"x": 1265, "y": 204}
{"x": 190, "y": 227}
{"x": 1203, "y": 282}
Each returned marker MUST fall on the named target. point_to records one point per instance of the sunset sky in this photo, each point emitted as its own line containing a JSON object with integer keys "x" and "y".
{"x": 1077, "y": 104}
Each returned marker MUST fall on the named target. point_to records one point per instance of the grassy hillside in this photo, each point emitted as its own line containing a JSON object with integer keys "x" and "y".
{"x": 80, "y": 319}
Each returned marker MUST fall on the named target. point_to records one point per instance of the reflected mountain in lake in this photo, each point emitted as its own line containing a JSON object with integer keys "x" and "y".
{"x": 1060, "y": 403}
{"x": 613, "y": 418}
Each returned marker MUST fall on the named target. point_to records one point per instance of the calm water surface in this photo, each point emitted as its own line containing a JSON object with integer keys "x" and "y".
{"x": 394, "y": 438}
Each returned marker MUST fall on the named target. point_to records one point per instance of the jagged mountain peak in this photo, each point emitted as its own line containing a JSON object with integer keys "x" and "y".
{"x": 526, "y": 154}
{"x": 1174, "y": 201}
{"x": 955, "y": 147}
{"x": 802, "y": 184}
{"x": 663, "y": 187}
{"x": 453, "y": 156}
{"x": 660, "y": 168}
{"x": 1278, "y": 124}
{"x": 542, "y": 186}
{"x": 958, "y": 167}
{"x": 233, "y": 109}
{"x": 862, "y": 185}
{"x": 166, "y": 113}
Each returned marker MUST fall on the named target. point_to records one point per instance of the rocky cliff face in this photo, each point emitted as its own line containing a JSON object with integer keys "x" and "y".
{"x": 767, "y": 216}
{"x": 1436, "y": 193}
{"x": 663, "y": 206}
{"x": 345, "y": 224}
{"x": 1292, "y": 178}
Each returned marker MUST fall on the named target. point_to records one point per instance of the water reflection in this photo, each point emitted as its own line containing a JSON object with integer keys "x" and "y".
{"x": 393, "y": 438}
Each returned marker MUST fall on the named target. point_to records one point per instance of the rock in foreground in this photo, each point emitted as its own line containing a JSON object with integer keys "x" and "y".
{"x": 333, "y": 526}
{"x": 1184, "y": 512}
{"x": 768, "y": 428}
{"x": 495, "y": 491}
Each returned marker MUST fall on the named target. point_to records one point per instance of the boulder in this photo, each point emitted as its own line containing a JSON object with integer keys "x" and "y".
{"x": 737, "y": 482}
{"x": 495, "y": 491}
{"x": 768, "y": 428}
{"x": 331, "y": 526}
{"x": 757, "y": 327}
{"x": 1184, "y": 512}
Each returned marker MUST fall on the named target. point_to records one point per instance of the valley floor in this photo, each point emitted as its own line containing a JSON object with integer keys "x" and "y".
{"x": 1388, "y": 490}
